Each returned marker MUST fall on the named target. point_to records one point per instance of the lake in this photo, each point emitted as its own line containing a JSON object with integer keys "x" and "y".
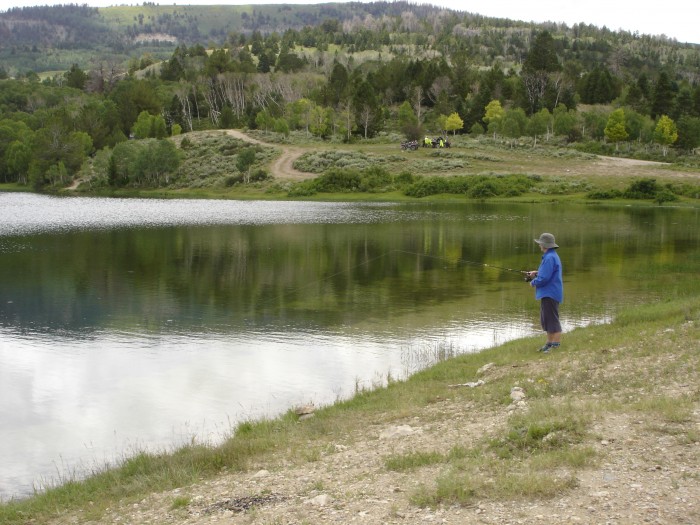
{"x": 131, "y": 324}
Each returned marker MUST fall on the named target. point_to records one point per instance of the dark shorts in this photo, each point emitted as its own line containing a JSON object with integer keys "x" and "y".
{"x": 549, "y": 315}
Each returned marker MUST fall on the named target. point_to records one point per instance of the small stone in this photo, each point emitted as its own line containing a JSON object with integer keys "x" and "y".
{"x": 485, "y": 368}
{"x": 319, "y": 501}
{"x": 517, "y": 394}
{"x": 305, "y": 409}
{"x": 397, "y": 432}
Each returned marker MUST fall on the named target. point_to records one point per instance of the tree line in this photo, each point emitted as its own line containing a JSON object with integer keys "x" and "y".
{"x": 277, "y": 82}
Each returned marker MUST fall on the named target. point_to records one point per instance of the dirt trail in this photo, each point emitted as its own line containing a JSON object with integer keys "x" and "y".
{"x": 283, "y": 166}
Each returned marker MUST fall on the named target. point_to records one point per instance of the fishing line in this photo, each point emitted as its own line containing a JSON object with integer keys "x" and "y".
{"x": 465, "y": 261}
{"x": 269, "y": 301}
{"x": 326, "y": 278}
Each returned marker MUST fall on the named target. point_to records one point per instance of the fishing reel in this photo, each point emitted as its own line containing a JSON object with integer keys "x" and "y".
{"x": 528, "y": 277}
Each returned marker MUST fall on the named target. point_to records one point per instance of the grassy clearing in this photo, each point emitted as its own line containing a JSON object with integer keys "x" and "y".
{"x": 629, "y": 366}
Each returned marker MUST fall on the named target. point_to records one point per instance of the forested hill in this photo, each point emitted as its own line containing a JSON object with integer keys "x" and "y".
{"x": 53, "y": 38}
{"x": 77, "y": 82}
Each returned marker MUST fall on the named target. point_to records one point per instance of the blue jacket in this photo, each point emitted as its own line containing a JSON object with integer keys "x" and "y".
{"x": 548, "y": 282}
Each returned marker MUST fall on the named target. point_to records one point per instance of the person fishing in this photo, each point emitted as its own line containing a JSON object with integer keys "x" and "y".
{"x": 549, "y": 290}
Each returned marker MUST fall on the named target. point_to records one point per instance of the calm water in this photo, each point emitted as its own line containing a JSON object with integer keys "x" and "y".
{"x": 131, "y": 324}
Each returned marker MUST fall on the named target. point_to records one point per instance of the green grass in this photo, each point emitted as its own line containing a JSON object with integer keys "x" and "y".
{"x": 180, "y": 502}
{"x": 413, "y": 460}
{"x": 12, "y": 186}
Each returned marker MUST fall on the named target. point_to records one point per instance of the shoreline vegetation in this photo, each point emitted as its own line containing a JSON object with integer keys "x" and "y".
{"x": 642, "y": 366}
{"x": 249, "y": 165}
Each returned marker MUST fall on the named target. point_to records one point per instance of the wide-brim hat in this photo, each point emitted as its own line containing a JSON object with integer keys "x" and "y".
{"x": 546, "y": 240}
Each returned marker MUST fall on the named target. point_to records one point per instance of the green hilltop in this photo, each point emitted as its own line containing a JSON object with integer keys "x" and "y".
{"x": 52, "y": 38}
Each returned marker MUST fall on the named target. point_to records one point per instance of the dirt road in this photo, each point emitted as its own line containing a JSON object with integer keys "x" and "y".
{"x": 283, "y": 166}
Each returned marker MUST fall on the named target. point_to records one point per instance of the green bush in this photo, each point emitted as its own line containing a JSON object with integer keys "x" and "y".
{"x": 484, "y": 189}
{"x": 375, "y": 178}
{"x": 321, "y": 161}
{"x": 459, "y": 185}
{"x": 405, "y": 177}
{"x": 426, "y": 186}
{"x": 595, "y": 147}
{"x": 685, "y": 190}
{"x": 232, "y": 180}
{"x": 338, "y": 180}
{"x": 478, "y": 187}
{"x": 259, "y": 176}
{"x": 665, "y": 195}
{"x": 642, "y": 189}
{"x": 604, "y": 194}
{"x": 341, "y": 180}
{"x": 303, "y": 189}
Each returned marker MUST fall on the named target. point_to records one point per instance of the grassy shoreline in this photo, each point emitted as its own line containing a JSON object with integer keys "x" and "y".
{"x": 390, "y": 197}
{"x": 473, "y": 170}
{"x": 643, "y": 333}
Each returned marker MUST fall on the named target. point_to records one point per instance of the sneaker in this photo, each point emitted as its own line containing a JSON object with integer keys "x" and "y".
{"x": 545, "y": 348}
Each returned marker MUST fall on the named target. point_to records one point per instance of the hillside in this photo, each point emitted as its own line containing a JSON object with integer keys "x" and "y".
{"x": 53, "y": 38}
{"x": 78, "y": 83}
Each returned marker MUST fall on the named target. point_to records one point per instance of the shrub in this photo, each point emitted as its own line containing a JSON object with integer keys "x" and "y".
{"x": 665, "y": 195}
{"x": 303, "y": 189}
{"x": 405, "y": 177}
{"x": 459, "y": 184}
{"x": 685, "y": 190}
{"x": 604, "y": 194}
{"x": 484, "y": 189}
{"x": 374, "y": 178}
{"x": 476, "y": 129}
{"x": 338, "y": 180}
{"x": 517, "y": 184}
{"x": 259, "y": 176}
{"x": 232, "y": 180}
{"x": 427, "y": 186}
{"x": 642, "y": 189}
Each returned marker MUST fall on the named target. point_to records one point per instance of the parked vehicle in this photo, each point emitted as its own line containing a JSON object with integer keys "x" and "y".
{"x": 440, "y": 142}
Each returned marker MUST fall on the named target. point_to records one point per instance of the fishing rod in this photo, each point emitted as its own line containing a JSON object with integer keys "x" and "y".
{"x": 473, "y": 263}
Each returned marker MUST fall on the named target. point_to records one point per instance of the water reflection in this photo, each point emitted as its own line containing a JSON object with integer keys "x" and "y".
{"x": 141, "y": 323}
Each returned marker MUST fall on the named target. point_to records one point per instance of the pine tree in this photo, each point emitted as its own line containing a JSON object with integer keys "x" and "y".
{"x": 662, "y": 103}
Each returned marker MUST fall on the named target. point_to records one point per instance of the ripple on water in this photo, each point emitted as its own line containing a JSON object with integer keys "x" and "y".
{"x": 26, "y": 213}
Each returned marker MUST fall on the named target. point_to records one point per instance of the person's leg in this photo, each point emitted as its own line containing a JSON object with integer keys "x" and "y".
{"x": 549, "y": 316}
{"x": 543, "y": 323}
